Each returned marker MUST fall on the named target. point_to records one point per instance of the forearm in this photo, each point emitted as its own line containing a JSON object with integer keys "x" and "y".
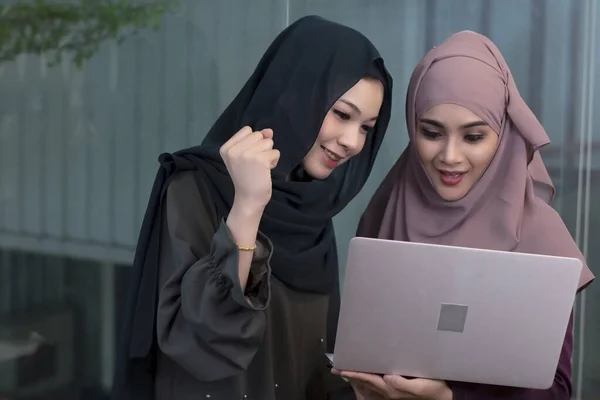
{"x": 243, "y": 222}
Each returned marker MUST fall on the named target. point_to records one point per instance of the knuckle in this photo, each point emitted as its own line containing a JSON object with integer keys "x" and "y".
{"x": 233, "y": 154}
{"x": 247, "y": 155}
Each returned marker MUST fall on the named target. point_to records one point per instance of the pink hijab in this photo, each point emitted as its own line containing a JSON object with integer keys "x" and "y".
{"x": 508, "y": 208}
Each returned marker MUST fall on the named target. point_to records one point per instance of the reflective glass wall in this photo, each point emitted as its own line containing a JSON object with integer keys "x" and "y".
{"x": 78, "y": 148}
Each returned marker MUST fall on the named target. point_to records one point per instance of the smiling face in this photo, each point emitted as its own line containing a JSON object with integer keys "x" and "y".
{"x": 345, "y": 128}
{"x": 455, "y": 147}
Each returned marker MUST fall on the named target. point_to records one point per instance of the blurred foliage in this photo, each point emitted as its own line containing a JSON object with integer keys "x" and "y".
{"x": 74, "y": 28}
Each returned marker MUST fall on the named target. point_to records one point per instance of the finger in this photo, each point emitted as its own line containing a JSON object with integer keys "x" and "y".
{"x": 274, "y": 156}
{"x": 267, "y": 133}
{"x": 253, "y": 137}
{"x": 375, "y": 381}
{"x": 397, "y": 382}
{"x": 368, "y": 391}
{"x": 269, "y": 157}
{"x": 248, "y": 142}
{"x": 361, "y": 376}
{"x": 237, "y": 137}
{"x": 257, "y": 145}
{"x": 415, "y": 386}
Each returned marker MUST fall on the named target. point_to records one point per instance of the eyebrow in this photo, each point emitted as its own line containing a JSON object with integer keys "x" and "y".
{"x": 464, "y": 126}
{"x": 355, "y": 108}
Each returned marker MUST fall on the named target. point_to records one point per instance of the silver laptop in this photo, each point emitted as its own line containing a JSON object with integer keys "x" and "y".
{"x": 453, "y": 313}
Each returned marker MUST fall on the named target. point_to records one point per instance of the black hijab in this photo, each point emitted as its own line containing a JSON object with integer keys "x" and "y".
{"x": 302, "y": 74}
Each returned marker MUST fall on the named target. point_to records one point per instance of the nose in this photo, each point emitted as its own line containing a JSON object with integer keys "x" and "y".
{"x": 450, "y": 154}
{"x": 351, "y": 140}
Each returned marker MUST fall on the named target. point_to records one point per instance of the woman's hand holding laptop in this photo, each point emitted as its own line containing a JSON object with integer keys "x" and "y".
{"x": 378, "y": 387}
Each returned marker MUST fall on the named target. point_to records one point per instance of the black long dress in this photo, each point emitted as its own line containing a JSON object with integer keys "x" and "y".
{"x": 189, "y": 332}
{"x": 209, "y": 335}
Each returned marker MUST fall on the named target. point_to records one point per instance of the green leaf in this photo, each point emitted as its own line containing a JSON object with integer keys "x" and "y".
{"x": 78, "y": 29}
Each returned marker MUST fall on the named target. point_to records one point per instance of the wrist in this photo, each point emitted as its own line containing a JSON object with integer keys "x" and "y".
{"x": 243, "y": 221}
{"x": 245, "y": 208}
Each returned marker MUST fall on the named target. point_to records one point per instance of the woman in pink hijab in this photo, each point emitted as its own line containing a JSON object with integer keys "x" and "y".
{"x": 471, "y": 176}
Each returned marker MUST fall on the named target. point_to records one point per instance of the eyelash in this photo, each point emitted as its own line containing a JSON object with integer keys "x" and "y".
{"x": 469, "y": 137}
{"x": 473, "y": 137}
{"x": 342, "y": 115}
{"x": 345, "y": 117}
{"x": 431, "y": 135}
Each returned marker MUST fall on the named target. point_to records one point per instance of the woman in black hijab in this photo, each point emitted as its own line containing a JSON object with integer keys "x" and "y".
{"x": 235, "y": 290}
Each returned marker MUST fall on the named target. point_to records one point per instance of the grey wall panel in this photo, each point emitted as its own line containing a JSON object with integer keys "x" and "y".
{"x": 125, "y": 109}
{"x": 11, "y": 126}
{"x": 99, "y": 162}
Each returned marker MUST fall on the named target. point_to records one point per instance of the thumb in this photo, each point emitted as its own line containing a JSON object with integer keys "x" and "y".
{"x": 393, "y": 380}
{"x": 275, "y": 159}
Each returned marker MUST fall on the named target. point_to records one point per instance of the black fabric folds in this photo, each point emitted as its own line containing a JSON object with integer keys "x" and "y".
{"x": 301, "y": 75}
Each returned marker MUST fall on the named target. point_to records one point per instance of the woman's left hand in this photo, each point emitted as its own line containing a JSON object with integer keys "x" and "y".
{"x": 397, "y": 387}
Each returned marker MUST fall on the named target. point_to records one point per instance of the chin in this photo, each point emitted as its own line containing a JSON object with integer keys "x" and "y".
{"x": 447, "y": 195}
{"x": 451, "y": 198}
{"x": 317, "y": 173}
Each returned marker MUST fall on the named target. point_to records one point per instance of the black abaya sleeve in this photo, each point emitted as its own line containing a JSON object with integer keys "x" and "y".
{"x": 205, "y": 322}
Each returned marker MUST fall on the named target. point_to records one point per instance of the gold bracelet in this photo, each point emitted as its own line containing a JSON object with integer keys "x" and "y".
{"x": 246, "y": 248}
